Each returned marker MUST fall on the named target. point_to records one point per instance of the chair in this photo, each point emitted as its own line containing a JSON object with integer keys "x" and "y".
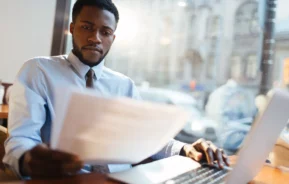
{"x": 3, "y": 136}
{"x": 6, "y": 86}
{"x": 7, "y": 91}
{"x": 5, "y": 174}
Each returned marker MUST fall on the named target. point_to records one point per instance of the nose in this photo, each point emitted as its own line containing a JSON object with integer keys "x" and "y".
{"x": 95, "y": 38}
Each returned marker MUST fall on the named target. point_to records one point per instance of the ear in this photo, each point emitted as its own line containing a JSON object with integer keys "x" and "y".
{"x": 71, "y": 27}
{"x": 113, "y": 38}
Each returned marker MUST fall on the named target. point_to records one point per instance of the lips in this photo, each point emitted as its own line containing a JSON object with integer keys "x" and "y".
{"x": 93, "y": 49}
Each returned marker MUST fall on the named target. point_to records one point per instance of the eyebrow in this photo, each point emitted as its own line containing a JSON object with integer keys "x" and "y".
{"x": 106, "y": 27}
{"x": 84, "y": 21}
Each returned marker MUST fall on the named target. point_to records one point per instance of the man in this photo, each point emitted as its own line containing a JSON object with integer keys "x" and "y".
{"x": 32, "y": 99}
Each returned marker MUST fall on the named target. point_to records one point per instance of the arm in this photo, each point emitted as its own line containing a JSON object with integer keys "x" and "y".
{"x": 28, "y": 110}
{"x": 26, "y": 114}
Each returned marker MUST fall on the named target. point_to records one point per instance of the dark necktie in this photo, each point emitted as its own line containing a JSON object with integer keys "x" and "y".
{"x": 89, "y": 78}
{"x": 89, "y": 84}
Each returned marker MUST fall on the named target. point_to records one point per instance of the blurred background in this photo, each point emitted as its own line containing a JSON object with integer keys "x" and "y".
{"x": 203, "y": 55}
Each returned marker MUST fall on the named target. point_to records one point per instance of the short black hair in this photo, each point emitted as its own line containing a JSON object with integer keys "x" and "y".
{"x": 102, "y": 4}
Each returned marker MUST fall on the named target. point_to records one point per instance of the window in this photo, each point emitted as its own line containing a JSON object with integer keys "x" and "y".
{"x": 214, "y": 24}
{"x": 210, "y": 73}
{"x": 246, "y": 19}
{"x": 192, "y": 47}
{"x": 252, "y": 67}
{"x": 254, "y": 23}
{"x": 237, "y": 67}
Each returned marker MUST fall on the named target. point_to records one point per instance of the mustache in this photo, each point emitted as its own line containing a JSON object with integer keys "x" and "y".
{"x": 93, "y": 47}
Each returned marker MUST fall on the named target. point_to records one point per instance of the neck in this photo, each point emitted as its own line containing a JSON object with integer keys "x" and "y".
{"x": 79, "y": 56}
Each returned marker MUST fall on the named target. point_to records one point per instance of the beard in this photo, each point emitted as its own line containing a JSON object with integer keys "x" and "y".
{"x": 77, "y": 52}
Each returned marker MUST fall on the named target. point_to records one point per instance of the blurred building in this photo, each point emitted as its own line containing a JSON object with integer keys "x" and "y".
{"x": 282, "y": 51}
{"x": 172, "y": 42}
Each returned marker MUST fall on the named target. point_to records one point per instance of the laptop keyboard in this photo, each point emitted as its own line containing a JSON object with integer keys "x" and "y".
{"x": 202, "y": 175}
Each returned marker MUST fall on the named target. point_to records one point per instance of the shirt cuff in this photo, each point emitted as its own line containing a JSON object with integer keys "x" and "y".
{"x": 13, "y": 155}
{"x": 12, "y": 161}
{"x": 172, "y": 148}
{"x": 177, "y": 147}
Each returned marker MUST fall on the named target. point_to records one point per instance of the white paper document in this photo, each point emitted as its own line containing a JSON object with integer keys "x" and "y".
{"x": 105, "y": 130}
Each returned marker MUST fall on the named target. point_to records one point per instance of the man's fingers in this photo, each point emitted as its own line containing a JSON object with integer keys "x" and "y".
{"x": 225, "y": 158}
{"x": 210, "y": 156}
{"x": 58, "y": 155}
{"x": 38, "y": 150}
{"x": 212, "y": 152}
{"x": 44, "y": 162}
{"x": 219, "y": 157}
{"x": 40, "y": 168}
{"x": 218, "y": 154}
{"x": 72, "y": 167}
{"x": 192, "y": 153}
{"x": 208, "y": 151}
{"x": 43, "y": 152}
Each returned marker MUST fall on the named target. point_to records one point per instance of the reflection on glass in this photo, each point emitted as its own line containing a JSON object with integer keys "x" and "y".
{"x": 252, "y": 67}
{"x": 194, "y": 47}
{"x": 236, "y": 70}
{"x": 247, "y": 18}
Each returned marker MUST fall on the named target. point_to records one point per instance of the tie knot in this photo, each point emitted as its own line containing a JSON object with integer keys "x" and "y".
{"x": 90, "y": 73}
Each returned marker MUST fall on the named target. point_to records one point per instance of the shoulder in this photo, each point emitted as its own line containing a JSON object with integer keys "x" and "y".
{"x": 112, "y": 75}
{"x": 124, "y": 84}
{"x": 43, "y": 61}
{"x": 32, "y": 73}
{"x": 38, "y": 66}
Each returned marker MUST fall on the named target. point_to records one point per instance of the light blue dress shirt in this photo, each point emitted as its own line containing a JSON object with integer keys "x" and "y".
{"x": 31, "y": 105}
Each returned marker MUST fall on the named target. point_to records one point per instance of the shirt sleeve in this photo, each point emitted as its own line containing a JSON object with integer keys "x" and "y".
{"x": 27, "y": 114}
{"x": 173, "y": 147}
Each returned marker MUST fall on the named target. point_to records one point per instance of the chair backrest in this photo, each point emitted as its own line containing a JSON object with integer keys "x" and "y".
{"x": 6, "y": 86}
{"x": 3, "y": 136}
{"x": 5, "y": 173}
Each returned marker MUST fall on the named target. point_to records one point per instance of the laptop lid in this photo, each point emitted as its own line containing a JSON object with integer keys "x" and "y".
{"x": 261, "y": 139}
{"x": 251, "y": 158}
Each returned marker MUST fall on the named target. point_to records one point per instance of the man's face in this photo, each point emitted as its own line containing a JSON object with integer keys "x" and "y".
{"x": 93, "y": 34}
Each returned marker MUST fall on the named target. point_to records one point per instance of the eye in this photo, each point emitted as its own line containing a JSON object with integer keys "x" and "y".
{"x": 86, "y": 27}
{"x": 106, "y": 33}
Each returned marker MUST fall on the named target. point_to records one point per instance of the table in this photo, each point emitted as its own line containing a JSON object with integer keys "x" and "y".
{"x": 271, "y": 175}
{"x": 94, "y": 178}
{"x": 267, "y": 175}
{"x": 4, "y": 111}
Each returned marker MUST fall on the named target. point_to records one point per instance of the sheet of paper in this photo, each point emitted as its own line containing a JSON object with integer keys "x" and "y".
{"x": 113, "y": 130}
{"x": 158, "y": 171}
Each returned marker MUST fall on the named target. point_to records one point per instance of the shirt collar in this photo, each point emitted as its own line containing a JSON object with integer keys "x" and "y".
{"x": 82, "y": 68}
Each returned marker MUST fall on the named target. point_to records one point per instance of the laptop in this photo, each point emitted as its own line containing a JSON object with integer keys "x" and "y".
{"x": 251, "y": 158}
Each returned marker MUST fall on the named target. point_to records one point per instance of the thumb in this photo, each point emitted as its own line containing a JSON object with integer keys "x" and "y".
{"x": 197, "y": 156}
{"x": 193, "y": 153}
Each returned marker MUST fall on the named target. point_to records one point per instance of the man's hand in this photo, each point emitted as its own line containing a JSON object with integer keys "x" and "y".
{"x": 42, "y": 162}
{"x": 203, "y": 150}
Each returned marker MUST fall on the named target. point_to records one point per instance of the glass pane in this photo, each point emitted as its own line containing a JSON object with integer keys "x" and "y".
{"x": 205, "y": 51}
{"x": 252, "y": 67}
